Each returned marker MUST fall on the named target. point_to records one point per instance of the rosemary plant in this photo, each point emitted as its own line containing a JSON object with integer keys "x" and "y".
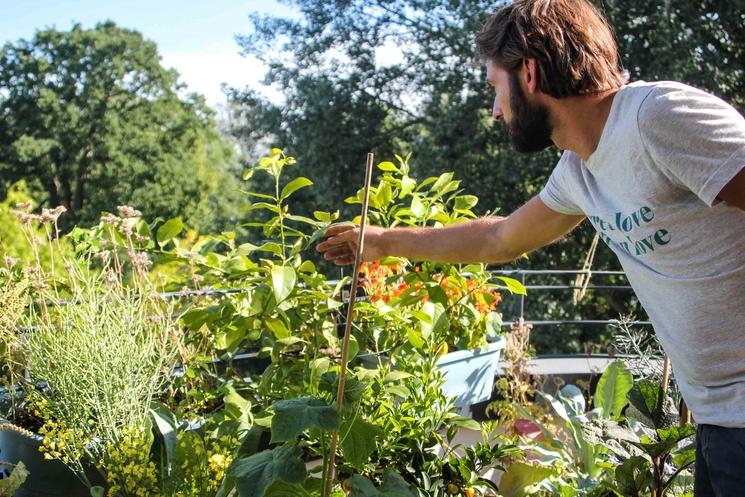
{"x": 101, "y": 359}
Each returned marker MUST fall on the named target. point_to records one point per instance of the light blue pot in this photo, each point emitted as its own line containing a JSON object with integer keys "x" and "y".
{"x": 469, "y": 374}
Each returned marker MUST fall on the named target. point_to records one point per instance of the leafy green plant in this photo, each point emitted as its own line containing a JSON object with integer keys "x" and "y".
{"x": 440, "y": 306}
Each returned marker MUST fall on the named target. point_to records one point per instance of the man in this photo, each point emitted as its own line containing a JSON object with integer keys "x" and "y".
{"x": 657, "y": 168}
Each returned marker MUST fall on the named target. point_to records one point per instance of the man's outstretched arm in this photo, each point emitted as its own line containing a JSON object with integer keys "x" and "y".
{"x": 488, "y": 240}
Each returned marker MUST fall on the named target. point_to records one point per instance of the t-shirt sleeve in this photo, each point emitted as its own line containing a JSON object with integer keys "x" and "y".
{"x": 696, "y": 139}
{"x": 558, "y": 192}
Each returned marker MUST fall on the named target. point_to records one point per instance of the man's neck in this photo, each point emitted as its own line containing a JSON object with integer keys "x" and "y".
{"x": 578, "y": 122}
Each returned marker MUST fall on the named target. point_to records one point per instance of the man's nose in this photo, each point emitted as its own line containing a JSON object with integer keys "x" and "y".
{"x": 496, "y": 111}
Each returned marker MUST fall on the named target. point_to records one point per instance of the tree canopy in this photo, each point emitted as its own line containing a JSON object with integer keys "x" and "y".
{"x": 91, "y": 119}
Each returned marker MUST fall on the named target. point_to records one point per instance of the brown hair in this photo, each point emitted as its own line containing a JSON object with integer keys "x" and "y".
{"x": 572, "y": 43}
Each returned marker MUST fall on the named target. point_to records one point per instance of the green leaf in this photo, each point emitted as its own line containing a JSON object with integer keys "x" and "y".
{"x": 407, "y": 186}
{"x": 359, "y": 440}
{"x": 393, "y": 486}
{"x": 96, "y": 491}
{"x": 294, "y": 186}
{"x": 465, "y": 202}
{"x": 11, "y": 483}
{"x": 326, "y": 217}
{"x": 165, "y": 422}
{"x": 388, "y": 167}
{"x": 294, "y": 416}
{"x": 277, "y": 327}
{"x": 384, "y": 195}
{"x": 634, "y": 477}
{"x": 282, "y": 489}
{"x": 519, "y": 477}
{"x": 254, "y": 474}
{"x": 513, "y": 285}
{"x": 647, "y": 398}
{"x": 169, "y": 230}
{"x": 612, "y": 390}
{"x": 283, "y": 282}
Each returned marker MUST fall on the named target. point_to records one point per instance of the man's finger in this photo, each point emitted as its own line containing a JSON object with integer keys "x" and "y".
{"x": 335, "y": 241}
{"x": 336, "y": 253}
{"x": 344, "y": 261}
{"x": 336, "y": 229}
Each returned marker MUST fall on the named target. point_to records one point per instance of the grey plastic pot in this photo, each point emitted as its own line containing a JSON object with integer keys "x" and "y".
{"x": 47, "y": 478}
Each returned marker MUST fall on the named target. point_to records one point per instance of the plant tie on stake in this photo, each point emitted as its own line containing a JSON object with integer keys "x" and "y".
{"x": 348, "y": 328}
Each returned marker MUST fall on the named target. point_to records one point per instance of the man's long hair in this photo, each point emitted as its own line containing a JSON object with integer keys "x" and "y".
{"x": 570, "y": 40}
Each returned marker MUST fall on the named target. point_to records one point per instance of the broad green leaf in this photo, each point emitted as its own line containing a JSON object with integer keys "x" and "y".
{"x": 417, "y": 207}
{"x": 169, "y": 230}
{"x": 685, "y": 456}
{"x": 647, "y": 398}
{"x": 251, "y": 441}
{"x": 294, "y": 186}
{"x": 245, "y": 249}
{"x": 467, "y": 423}
{"x": 465, "y": 202}
{"x": 407, "y": 186}
{"x": 277, "y": 327}
{"x": 668, "y": 440}
{"x": 634, "y": 477}
{"x": 358, "y": 440}
{"x": 384, "y": 195}
{"x": 520, "y": 477}
{"x": 282, "y": 489}
{"x": 393, "y": 486}
{"x": 254, "y": 474}
{"x": 396, "y": 376}
{"x": 294, "y": 416}
{"x": 165, "y": 423}
{"x": 326, "y": 217}
{"x": 237, "y": 406}
{"x": 283, "y": 282}
{"x": 613, "y": 387}
{"x": 513, "y": 285}
{"x": 388, "y": 166}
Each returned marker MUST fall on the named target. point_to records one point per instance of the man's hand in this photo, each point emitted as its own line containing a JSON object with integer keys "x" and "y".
{"x": 340, "y": 245}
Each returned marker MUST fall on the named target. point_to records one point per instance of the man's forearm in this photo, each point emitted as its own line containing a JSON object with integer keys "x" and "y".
{"x": 468, "y": 242}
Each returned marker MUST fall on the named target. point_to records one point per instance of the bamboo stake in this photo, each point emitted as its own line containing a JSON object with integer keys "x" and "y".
{"x": 331, "y": 473}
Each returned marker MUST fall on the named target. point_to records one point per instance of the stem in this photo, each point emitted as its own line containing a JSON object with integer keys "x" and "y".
{"x": 348, "y": 328}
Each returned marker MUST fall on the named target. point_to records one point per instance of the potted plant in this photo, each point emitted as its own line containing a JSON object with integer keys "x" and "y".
{"x": 444, "y": 309}
{"x": 95, "y": 349}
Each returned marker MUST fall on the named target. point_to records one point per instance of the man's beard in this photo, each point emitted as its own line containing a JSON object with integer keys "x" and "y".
{"x": 529, "y": 128}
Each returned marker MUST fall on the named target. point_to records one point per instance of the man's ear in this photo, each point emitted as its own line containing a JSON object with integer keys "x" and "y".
{"x": 530, "y": 75}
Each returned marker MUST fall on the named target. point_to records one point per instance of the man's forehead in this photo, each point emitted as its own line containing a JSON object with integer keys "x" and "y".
{"x": 493, "y": 71}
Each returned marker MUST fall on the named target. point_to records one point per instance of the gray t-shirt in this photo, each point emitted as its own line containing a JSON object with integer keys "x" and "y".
{"x": 650, "y": 190}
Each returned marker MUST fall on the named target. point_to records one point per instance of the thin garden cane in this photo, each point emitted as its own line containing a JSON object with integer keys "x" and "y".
{"x": 330, "y": 474}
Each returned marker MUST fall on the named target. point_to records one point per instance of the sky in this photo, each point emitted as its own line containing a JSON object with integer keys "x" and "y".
{"x": 195, "y": 37}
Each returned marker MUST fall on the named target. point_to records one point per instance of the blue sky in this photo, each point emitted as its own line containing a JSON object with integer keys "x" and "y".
{"x": 194, "y": 37}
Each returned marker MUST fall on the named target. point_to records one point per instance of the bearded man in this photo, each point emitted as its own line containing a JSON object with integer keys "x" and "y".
{"x": 657, "y": 168}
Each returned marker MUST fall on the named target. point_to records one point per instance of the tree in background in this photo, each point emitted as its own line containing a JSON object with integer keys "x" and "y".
{"x": 91, "y": 119}
{"x": 342, "y": 100}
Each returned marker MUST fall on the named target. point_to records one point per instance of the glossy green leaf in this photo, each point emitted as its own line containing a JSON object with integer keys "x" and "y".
{"x": 169, "y": 230}
{"x": 294, "y": 186}
{"x": 612, "y": 390}
{"x": 519, "y": 477}
{"x": 388, "y": 167}
{"x": 283, "y": 282}
{"x": 164, "y": 422}
{"x": 513, "y": 285}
